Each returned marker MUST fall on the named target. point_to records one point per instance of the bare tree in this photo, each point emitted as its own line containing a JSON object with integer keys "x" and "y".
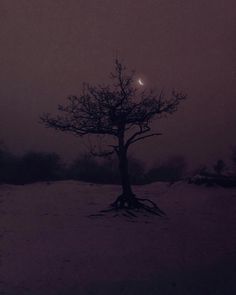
{"x": 120, "y": 110}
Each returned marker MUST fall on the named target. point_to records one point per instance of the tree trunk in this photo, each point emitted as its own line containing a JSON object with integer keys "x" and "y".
{"x": 124, "y": 173}
{"x": 127, "y": 199}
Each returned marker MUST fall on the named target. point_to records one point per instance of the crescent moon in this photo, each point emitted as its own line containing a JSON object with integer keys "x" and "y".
{"x": 140, "y": 82}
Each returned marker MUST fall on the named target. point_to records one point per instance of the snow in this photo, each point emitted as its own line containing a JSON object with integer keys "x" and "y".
{"x": 51, "y": 245}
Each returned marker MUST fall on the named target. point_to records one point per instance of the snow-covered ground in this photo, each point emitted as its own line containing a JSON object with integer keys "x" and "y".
{"x": 50, "y": 245}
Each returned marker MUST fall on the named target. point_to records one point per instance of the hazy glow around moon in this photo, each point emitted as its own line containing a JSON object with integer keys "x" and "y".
{"x": 140, "y": 82}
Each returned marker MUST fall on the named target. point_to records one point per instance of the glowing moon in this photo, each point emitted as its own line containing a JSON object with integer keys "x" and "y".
{"x": 140, "y": 82}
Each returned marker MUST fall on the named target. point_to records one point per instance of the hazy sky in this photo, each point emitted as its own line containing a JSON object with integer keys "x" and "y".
{"x": 49, "y": 47}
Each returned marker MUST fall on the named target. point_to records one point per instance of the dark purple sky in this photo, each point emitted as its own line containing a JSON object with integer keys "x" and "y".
{"x": 48, "y": 48}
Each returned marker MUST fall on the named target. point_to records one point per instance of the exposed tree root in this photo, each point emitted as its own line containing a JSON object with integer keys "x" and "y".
{"x": 130, "y": 205}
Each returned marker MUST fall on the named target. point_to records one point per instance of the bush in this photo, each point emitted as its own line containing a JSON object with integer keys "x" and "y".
{"x": 86, "y": 168}
{"x": 171, "y": 170}
{"x": 31, "y": 167}
{"x": 38, "y": 166}
{"x": 8, "y": 166}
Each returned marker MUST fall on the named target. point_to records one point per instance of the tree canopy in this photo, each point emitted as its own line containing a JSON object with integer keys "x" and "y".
{"x": 121, "y": 110}
{"x": 116, "y": 109}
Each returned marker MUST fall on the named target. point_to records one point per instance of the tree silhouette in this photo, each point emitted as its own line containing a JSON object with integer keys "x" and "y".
{"x": 120, "y": 110}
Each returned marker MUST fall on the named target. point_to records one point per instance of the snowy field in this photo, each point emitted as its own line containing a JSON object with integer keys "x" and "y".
{"x": 50, "y": 245}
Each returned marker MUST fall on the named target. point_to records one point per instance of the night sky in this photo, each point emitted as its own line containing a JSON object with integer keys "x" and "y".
{"x": 48, "y": 48}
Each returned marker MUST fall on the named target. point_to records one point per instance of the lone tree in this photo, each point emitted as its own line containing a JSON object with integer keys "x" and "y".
{"x": 123, "y": 111}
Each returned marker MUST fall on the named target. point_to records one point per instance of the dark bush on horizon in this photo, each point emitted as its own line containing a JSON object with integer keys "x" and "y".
{"x": 8, "y": 166}
{"x": 171, "y": 170}
{"x": 86, "y": 168}
{"x": 137, "y": 171}
{"x": 31, "y": 167}
{"x": 39, "y": 166}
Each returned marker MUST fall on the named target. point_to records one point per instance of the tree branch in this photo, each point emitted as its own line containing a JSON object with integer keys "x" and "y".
{"x": 114, "y": 109}
{"x": 141, "y": 131}
{"x": 143, "y": 137}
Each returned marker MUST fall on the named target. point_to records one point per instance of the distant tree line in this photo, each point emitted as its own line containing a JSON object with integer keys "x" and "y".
{"x": 41, "y": 166}
{"x": 87, "y": 168}
{"x": 29, "y": 168}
